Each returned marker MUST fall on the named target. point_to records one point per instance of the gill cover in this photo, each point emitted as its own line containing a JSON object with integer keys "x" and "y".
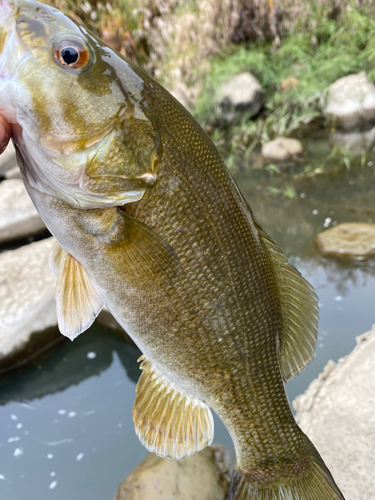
{"x": 85, "y": 136}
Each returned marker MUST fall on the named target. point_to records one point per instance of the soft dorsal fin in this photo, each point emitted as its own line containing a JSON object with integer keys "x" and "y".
{"x": 78, "y": 299}
{"x": 299, "y": 305}
{"x": 168, "y": 421}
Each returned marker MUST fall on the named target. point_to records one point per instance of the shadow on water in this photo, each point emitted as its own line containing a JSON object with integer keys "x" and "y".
{"x": 70, "y": 365}
{"x": 67, "y": 430}
{"x": 66, "y": 421}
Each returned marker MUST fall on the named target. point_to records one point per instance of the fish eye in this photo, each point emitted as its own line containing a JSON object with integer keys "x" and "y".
{"x": 71, "y": 53}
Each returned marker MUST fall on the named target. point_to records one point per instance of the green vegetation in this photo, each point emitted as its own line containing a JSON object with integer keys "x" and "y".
{"x": 295, "y": 75}
{"x": 296, "y": 49}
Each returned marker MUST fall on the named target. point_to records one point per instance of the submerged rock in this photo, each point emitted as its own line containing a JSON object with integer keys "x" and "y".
{"x": 281, "y": 149}
{"x": 351, "y": 101}
{"x": 242, "y": 92}
{"x": 202, "y": 476}
{"x": 349, "y": 239}
{"x": 18, "y": 216}
{"x": 338, "y": 413}
{"x": 27, "y": 302}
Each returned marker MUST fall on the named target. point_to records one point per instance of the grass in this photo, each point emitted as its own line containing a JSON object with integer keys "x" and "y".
{"x": 297, "y": 50}
{"x": 296, "y": 76}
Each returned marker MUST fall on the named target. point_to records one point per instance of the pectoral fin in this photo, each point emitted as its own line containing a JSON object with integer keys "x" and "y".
{"x": 78, "y": 299}
{"x": 137, "y": 252}
{"x": 168, "y": 421}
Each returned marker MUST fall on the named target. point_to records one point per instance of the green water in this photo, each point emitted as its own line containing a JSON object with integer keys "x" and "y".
{"x": 66, "y": 429}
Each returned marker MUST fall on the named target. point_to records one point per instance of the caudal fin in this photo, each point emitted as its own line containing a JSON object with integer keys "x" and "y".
{"x": 316, "y": 484}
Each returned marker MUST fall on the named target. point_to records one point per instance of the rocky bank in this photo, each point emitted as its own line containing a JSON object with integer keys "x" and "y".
{"x": 338, "y": 413}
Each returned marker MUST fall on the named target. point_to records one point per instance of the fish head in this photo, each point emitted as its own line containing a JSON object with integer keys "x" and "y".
{"x": 78, "y": 109}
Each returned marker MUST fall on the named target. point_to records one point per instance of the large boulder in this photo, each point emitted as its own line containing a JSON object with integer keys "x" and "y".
{"x": 282, "y": 149}
{"x": 18, "y": 216}
{"x": 351, "y": 101}
{"x": 27, "y": 302}
{"x": 28, "y": 319}
{"x": 338, "y": 413}
{"x": 202, "y": 476}
{"x": 349, "y": 239}
{"x": 241, "y": 92}
{"x": 7, "y": 159}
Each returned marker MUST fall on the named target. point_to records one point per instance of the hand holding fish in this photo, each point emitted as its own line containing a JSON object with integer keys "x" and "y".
{"x": 150, "y": 223}
{"x": 5, "y": 133}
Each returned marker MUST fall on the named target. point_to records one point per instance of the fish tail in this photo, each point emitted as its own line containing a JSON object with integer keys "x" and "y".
{"x": 316, "y": 484}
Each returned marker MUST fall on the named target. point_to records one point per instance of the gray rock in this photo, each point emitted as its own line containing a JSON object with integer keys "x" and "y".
{"x": 18, "y": 217}
{"x": 338, "y": 413}
{"x": 7, "y": 159}
{"x": 354, "y": 142}
{"x": 349, "y": 239}
{"x": 242, "y": 92}
{"x": 13, "y": 173}
{"x": 202, "y": 476}
{"x": 351, "y": 101}
{"x": 27, "y": 299}
{"x": 281, "y": 149}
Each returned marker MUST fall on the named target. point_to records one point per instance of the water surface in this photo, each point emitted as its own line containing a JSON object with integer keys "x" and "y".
{"x": 66, "y": 429}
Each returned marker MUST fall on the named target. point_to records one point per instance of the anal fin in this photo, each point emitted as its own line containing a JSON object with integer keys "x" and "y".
{"x": 78, "y": 299}
{"x": 168, "y": 421}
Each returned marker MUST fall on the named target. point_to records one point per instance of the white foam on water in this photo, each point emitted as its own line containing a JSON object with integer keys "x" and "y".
{"x": 18, "y": 452}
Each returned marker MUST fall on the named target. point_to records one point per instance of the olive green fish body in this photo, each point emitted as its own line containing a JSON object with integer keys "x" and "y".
{"x": 150, "y": 223}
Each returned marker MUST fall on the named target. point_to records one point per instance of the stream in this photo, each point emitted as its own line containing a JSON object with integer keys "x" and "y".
{"x": 66, "y": 427}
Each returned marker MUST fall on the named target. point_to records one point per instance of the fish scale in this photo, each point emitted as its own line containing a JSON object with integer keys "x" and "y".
{"x": 150, "y": 223}
{"x": 238, "y": 229}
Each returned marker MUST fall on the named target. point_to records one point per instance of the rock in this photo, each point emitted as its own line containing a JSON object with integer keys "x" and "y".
{"x": 13, "y": 173}
{"x": 281, "y": 149}
{"x": 7, "y": 159}
{"x": 18, "y": 217}
{"x": 354, "y": 142}
{"x": 338, "y": 413}
{"x": 202, "y": 476}
{"x": 242, "y": 92}
{"x": 349, "y": 239}
{"x": 27, "y": 300}
{"x": 351, "y": 101}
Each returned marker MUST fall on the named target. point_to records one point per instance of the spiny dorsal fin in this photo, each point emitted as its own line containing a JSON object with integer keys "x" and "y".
{"x": 78, "y": 299}
{"x": 168, "y": 421}
{"x": 299, "y": 305}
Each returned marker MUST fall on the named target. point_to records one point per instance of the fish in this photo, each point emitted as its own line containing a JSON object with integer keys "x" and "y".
{"x": 150, "y": 223}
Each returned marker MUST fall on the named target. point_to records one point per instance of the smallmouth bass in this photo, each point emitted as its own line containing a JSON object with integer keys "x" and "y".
{"x": 150, "y": 223}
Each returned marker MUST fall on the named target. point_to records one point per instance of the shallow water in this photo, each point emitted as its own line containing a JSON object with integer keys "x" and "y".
{"x": 66, "y": 428}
